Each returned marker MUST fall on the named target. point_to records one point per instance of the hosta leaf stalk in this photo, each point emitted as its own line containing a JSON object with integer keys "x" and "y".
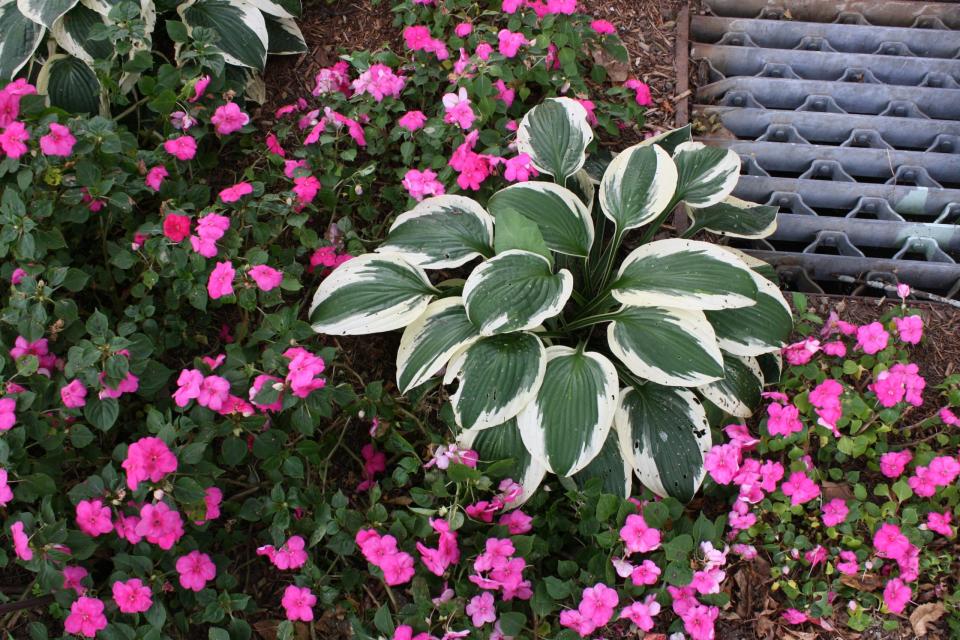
{"x": 571, "y": 354}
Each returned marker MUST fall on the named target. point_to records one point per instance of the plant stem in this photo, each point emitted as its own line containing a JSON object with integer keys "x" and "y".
{"x": 592, "y": 320}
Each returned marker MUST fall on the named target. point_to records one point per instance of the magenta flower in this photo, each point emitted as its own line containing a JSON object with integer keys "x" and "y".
{"x": 896, "y": 595}
{"x": 59, "y": 142}
{"x": 148, "y": 459}
{"x": 156, "y": 176}
{"x": 267, "y": 278}
{"x": 195, "y": 570}
{"x": 380, "y": 82}
{"x": 642, "y": 613}
{"x": 132, "y": 596}
{"x": 463, "y": 29}
{"x": 481, "y": 609}
{"x": 800, "y": 488}
{"x": 940, "y": 523}
{"x": 199, "y": 88}
{"x": 93, "y": 517}
{"x": 412, "y": 120}
{"x": 237, "y": 191}
{"x": 182, "y": 148}
{"x": 421, "y": 184}
{"x": 220, "y": 283}
{"x": 835, "y": 512}
{"x": 458, "y": 109}
{"x": 21, "y": 543}
{"x": 6, "y": 493}
{"x": 160, "y": 525}
{"x": 214, "y": 392}
{"x": 872, "y": 338}
{"x": 86, "y": 617}
{"x": 910, "y": 329}
{"x": 298, "y": 603}
{"x": 73, "y": 578}
{"x": 228, "y": 118}
{"x": 637, "y": 536}
{"x": 510, "y": 42}
{"x": 13, "y": 139}
{"x": 73, "y": 395}
{"x": 603, "y": 27}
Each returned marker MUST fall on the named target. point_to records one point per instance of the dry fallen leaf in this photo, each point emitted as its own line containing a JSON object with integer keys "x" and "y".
{"x": 924, "y": 615}
{"x": 616, "y": 70}
{"x": 867, "y": 582}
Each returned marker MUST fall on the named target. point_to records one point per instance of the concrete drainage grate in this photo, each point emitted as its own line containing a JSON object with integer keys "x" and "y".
{"x": 847, "y": 115}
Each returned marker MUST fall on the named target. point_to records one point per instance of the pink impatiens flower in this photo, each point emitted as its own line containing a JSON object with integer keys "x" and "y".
{"x": 267, "y": 278}
{"x": 176, "y": 227}
{"x": 86, "y": 617}
{"x": 893, "y": 463}
{"x": 21, "y": 543}
{"x": 160, "y": 525}
{"x": 195, "y": 570}
{"x": 783, "y": 420}
{"x": 421, "y": 184}
{"x": 306, "y": 189}
{"x": 6, "y": 493}
{"x": 73, "y": 579}
{"x": 214, "y": 392}
{"x": 940, "y": 523}
{"x": 237, "y": 191}
{"x": 229, "y": 118}
{"x": 641, "y": 92}
{"x": 910, "y": 329}
{"x": 13, "y": 139}
{"x": 412, "y": 120}
{"x": 59, "y": 142}
{"x": 896, "y": 595}
{"x": 298, "y": 603}
{"x": 638, "y": 537}
{"x": 199, "y": 88}
{"x": 642, "y": 613}
{"x": 603, "y": 27}
{"x": 510, "y": 42}
{"x": 835, "y": 512}
{"x": 220, "y": 283}
{"x": 93, "y": 517}
{"x": 519, "y": 168}
{"x": 182, "y": 148}
{"x": 132, "y": 596}
{"x": 458, "y": 110}
{"x": 303, "y": 371}
{"x": 722, "y": 462}
{"x": 800, "y": 353}
{"x": 148, "y": 459}
{"x": 73, "y": 395}
{"x": 800, "y": 488}
{"x": 379, "y": 81}
{"x": 872, "y": 338}
{"x": 481, "y": 609}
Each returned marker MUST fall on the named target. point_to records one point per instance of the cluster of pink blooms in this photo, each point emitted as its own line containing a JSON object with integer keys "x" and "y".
{"x": 380, "y": 82}
{"x": 473, "y": 168}
{"x": 59, "y": 141}
{"x": 382, "y": 552}
{"x": 541, "y": 7}
{"x": 900, "y": 382}
{"x": 328, "y": 258}
{"x": 418, "y": 38}
{"x": 291, "y": 555}
{"x": 421, "y": 184}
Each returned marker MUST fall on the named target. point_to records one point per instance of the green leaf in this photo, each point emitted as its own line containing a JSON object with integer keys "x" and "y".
{"x": 21, "y": 37}
{"x": 735, "y": 218}
{"x": 101, "y": 413}
{"x": 499, "y": 376}
{"x": 504, "y": 443}
{"x": 684, "y": 274}
{"x": 562, "y": 218}
{"x": 371, "y": 293}
{"x": 567, "y": 423}
{"x": 674, "y": 347}
{"x": 761, "y": 328}
{"x": 69, "y": 84}
{"x": 665, "y": 435}
{"x": 613, "y": 469}
{"x": 284, "y": 36}
{"x": 45, "y": 12}
{"x": 431, "y": 340}
{"x": 512, "y": 623}
{"x": 515, "y": 231}
{"x": 738, "y": 393}
{"x": 637, "y": 186}
{"x": 242, "y": 30}
{"x": 555, "y": 134}
{"x": 706, "y": 175}
{"x": 514, "y": 291}
{"x": 441, "y": 233}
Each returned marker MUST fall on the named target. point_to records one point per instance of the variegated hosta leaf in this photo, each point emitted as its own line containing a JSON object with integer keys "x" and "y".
{"x": 758, "y": 266}
{"x": 431, "y": 340}
{"x": 555, "y": 135}
{"x": 673, "y": 347}
{"x": 369, "y": 294}
{"x": 513, "y": 291}
{"x": 567, "y": 423}
{"x": 103, "y": 7}
{"x": 761, "y": 328}
{"x": 735, "y": 218}
{"x": 665, "y": 435}
{"x": 279, "y": 8}
{"x": 611, "y": 466}
{"x": 687, "y": 274}
{"x": 19, "y": 38}
{"x": 45, "y": 12}
{"x": 771, "y": 364}
{"x": 441, "y": 233}
{"x": 669, "y": 140}
{"x": 562, "y": 218}
{"x": 707, "y": 175}
{"x": 72, "y": 33}
{"x": 583, "y": 187}
{"x": 499, "y": 376}
{"x": 638, "y": 186}
{"x": 738, "y": 393}
{"x": 283, "y": 36}
{"x": 503, "y": 442}
{"x": 69, "y": 84}
{"x": 240, "y": 25}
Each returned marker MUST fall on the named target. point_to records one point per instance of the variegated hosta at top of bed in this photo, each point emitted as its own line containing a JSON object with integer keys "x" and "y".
{"x": 687, "y": 324}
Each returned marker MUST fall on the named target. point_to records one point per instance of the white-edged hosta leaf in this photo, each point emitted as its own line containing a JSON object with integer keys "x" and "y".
{"x": 441, "y": 233}
{"x": 103, "y": 7}
{"x": 583, "y": 187}
{"x": 19, "y": 38}
{"x": 567, "y": 423}
{"x": 240, "y": 25}
{"x": 513, "y": 291}
{"x": 279, "y": 8}
{"x": 69, "y": 84}
{"x": 665, "y": 435}
{"x": 673, "y": 347}
{"x": 45, "y": 12}
{"x": 707, "y": 175}
{"x": 370, "y": 294}
{"x": 735, "y": 218}
{"x": 610, "y": 465}
{"x": 72, "y": 33}
{"x": 738, "y": 393}
{"x": 687, "y": 274}
{"x": 758, "y": 266}
{"x": 499, "y": 376}
{"x": 555, "y": 135}
{"x": 771, "y": 365}
{"x": 670, "y": 140}
{"x": 284, "y": 36}
{"x": 503, "y": 442}
{"x": 564, "y": 220}
{"x": 761, "y": 328}
{"x": 431, "y": 340}
{"x": 638, "y": 186}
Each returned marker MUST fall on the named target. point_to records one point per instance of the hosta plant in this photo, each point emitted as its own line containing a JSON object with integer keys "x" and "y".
{"x": 572, "y": 356}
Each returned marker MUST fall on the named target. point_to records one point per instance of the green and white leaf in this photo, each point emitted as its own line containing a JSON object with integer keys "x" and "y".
{"x": 735, "y": 218}
{"x": 738, "y": 393}
{"x": 72, "y": 33}
{"x": 503, "y": 442}
{"x": 673, "y": 347}
{"x": 279, "y": 8}
{"x": 499, "y": 376}
{"x": 687, "y": 274}
{"x": 758, "y": 266}
{"x": 564, "y": 220}
{"x": 670, "y": 140}
{"x": 771, "y": 364}
{"x": 431, "y": 340}
{"x": 103, "y": 7}
{"x": 19, "y": 38}
{"x": 707, "y": 175}
{"x": 583, "y": 187}
{"x": 638, "y": 186}
{"x": 442, "y": 232}
{"x": 761, "y": 328}
{"x": 45, "y": 12}
{"x": 240, "y": 25}
{"x": 69, "y": 83}
{"x": 555, "y": 135}
{"x": 567, "y": 423}
{"x": 370, "y": 294}
{"x": 665, "y": 434}
{"x": 284, "y": 36}
{"x": 514, "y": 291}
{"x": 610, "y": 465}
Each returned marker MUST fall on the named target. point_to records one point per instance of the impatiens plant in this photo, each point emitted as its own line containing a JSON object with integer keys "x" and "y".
{"x": 687, "y": 322}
